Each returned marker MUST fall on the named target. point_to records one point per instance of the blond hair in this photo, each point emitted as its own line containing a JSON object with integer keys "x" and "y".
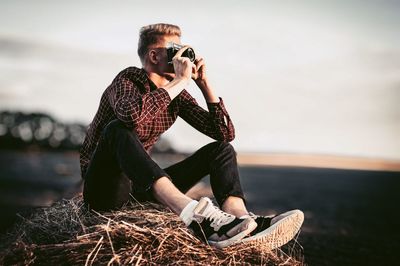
{"x": 152, "y": 34}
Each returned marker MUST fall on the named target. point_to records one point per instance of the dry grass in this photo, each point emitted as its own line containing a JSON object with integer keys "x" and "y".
{"x": 139, "y": 234}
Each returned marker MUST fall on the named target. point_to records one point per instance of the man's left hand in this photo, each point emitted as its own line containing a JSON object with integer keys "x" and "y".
{"x": 199, "y": 75}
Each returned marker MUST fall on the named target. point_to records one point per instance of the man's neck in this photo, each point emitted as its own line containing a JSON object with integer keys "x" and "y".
{"x": 157, "y": 79}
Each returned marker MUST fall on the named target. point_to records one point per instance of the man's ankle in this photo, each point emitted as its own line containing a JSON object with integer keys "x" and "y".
{"x": 187, "y": 213}
{"x": 167, "y": 194}
{"x": 236, "y": 212}
{"x": 235, "y": 206}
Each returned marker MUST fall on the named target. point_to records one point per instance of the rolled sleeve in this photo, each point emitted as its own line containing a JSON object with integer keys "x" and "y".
{"x": 218, "y": 109}
{"x": 215, "y": 123}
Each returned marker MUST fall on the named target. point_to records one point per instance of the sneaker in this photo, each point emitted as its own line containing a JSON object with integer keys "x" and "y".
{"x": 275, "y": 231}
{"x": 218, "y": 228}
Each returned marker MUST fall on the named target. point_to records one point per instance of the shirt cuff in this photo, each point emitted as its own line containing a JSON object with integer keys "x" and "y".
{"x": 219, "y": 106}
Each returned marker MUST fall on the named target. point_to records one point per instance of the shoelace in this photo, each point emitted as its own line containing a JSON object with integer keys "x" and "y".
{"x": 254, "y": 216}
{"x": 217, "y": 216}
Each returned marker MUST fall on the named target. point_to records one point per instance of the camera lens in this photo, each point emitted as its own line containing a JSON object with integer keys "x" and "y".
{"x": 189, "y": 53}
{"x": 173, "y": 48}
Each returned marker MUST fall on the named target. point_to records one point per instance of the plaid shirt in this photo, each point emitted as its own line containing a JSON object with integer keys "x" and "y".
{"x": 136, "y": 101}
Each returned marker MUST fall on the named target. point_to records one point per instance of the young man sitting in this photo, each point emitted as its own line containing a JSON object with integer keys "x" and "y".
{"x": 136, "y": 108}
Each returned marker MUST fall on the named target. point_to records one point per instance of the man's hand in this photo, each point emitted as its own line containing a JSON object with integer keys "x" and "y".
{"x": 199, "y": 75}
{"x": 184, "y": 70}
{"x": 183, "y": 67}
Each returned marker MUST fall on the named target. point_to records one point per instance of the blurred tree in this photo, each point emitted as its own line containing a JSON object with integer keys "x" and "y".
{"x": 41, "y": 131}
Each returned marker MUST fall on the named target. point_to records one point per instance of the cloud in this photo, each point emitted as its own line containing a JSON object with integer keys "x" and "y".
{"x": 60, "y": 80}
{"x": 308, "y": 77}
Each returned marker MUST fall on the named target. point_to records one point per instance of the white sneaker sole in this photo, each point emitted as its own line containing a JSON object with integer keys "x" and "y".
{"x": 236, "y": 239}
{"x": 280, "y": 232}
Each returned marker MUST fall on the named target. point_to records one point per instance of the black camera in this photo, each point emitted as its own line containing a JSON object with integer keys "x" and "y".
{"x": 173, "y": 48}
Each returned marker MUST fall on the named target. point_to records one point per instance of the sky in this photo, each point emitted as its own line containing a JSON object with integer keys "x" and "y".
{"x": 319, "y": 77}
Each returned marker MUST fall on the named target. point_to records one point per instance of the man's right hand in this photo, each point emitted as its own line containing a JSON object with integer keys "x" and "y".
{"x": 183, "y": 67}
{"x": 183, "y": 74}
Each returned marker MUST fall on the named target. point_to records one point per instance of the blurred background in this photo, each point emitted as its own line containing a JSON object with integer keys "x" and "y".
{"x": 313, "y": 89}
{"x": 296, "y": 76}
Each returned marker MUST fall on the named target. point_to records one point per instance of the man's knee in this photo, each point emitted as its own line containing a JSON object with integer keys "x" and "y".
{"x": 223, "y": 147}
{"x": 112, "y": 126}
{"x": 116, "y": 126}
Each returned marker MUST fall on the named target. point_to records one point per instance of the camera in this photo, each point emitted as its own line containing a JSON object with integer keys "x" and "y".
{"x": 173, "y": 48}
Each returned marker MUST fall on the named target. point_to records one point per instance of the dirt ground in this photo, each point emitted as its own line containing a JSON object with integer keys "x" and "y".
{"x": 350, "y": 215}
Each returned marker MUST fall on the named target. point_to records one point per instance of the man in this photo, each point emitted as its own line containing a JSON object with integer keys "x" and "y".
{"x": 137, "y": 107}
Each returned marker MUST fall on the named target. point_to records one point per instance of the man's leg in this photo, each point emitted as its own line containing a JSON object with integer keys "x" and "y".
{"x": 166, "y": 193}
{"x": 120, "y": 160}
{"x": 121, "y": 151}
{"x": 218, "y": 159}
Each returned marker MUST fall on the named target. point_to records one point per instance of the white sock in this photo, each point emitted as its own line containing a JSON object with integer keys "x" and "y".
{"x": 187, "y": 212}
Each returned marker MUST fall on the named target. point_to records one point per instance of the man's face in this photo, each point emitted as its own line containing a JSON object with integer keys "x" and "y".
{"x": 163, "y": 68}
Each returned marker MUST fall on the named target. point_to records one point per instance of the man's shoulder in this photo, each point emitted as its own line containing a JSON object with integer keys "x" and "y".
{"x": 134, "y": 74}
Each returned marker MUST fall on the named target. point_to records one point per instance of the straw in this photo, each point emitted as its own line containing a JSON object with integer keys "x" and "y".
{"x": 146, "y": 233}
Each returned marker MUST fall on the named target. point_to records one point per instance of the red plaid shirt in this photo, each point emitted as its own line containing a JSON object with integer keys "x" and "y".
{"x": 136, "y": 101}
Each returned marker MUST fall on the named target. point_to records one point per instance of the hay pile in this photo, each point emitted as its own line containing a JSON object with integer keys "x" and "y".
{"x": 149, "y": 234}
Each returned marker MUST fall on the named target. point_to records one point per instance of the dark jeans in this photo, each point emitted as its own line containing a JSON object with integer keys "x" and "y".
{"x": 121, "y": 166}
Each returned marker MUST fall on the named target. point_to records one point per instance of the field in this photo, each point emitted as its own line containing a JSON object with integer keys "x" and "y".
{"x": 350, "y": 215}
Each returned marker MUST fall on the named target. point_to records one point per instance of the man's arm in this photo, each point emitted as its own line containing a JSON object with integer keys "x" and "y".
{"x": 215, "y": 123}
{"x": 135, "y": 109}
{"x": 202, "y": 82}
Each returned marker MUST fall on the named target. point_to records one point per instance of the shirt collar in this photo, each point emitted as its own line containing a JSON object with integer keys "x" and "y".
{"x": 142, "y": 77}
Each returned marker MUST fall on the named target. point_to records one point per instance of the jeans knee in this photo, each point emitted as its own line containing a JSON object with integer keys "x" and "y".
{"x": 224, "y": 147}
{"x": 112, "y": 125}
{"x": 116, "y": 130}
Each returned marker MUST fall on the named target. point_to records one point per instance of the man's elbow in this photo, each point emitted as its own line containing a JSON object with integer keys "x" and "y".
{"x": 228, "y": 136}
{"x": 128, "y": 120}
{"x": 127, "y": 116}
